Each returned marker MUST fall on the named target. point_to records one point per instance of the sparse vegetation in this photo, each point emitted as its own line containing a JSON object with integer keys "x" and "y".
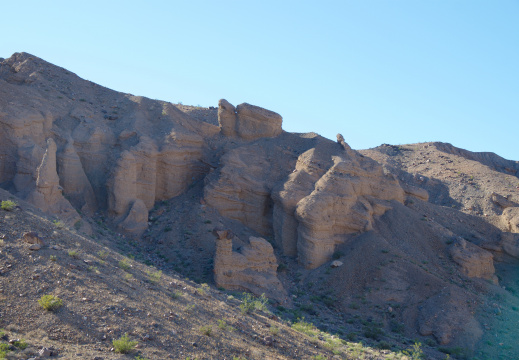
{"x": 8, "y": 205}
{"x": 53, "y": 258}
{"x": 274, "y": 330}
{"x": 125, "y": 264}
{"x": 124, "y": 345}
{"x": 58, "y": 224}
{"x": 21, "y": 344}
{"x": 50, "y": 302}
{"x": 73, "y": 254}
{"x": 206, "y": 330}
{"x": 155, "y": 276}
{"x": 415, "y": 352}
{"x": 250, "y": 303}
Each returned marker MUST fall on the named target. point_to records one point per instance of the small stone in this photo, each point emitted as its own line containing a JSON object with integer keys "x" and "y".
{"x": 268, "y": 340}
{"x": 194, "y": 344}
{"x": 35, "y": 247}
{"x": 336, "y": 263}
{"x": 32, "y": 238}
{"x": 45, "y": 352}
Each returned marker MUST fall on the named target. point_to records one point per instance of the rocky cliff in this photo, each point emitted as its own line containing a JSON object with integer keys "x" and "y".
{"x": 420, "y": 233}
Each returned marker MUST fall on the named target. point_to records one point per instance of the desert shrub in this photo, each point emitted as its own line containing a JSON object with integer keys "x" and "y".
{"x": 8, "y": 205}
{"x": 73, "y": 254}
{"x": 103, "y": 254}
{"x": 250, "y": 303}
{"x": 77, "y": 225}
{"x": 415, "y": 352}
{"x": 305, "y": 327}
{"x": 274, "y": 330}
{"x": 50, "y": 302}
{"x": 373, "y": 332}
{"x": 53, "y": 258}
{"x": 4, "y": 349}
{"x": 123, "y": 345}
{"x": 396, "y": 327}
{"x": 125, "y": 265}
{"x": 155, "y": 276}
{"x": 206, "y": 330}
{"x": 337, "y": 255}
{"x": 458, "y": 352}
{"x": 20, "y": 344}
{"x": 203, "y": 289}
{"x": 59, "y": 224}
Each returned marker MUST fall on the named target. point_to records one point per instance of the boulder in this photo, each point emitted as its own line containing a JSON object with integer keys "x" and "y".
{"x": 247, "y": 121}
{"x": 503, "y": 202}
{"x": 510, "y": 243}
{"x": 446, "y": 316}
{"x": 473, "y": 260}
{"x": 33, "y": 238}
{"x": 254, "y": 268}
{"x": 254, "y": 122}
{"x": 136, "y": 222}
{"x": 510, "y": 219}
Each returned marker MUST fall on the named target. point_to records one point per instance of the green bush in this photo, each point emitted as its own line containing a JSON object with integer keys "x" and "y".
{"x": 206, "y": 330}
{"x": 155, "y": 276}
{"x": 415, "y": 352}
{"x": 250, "y": 303}
{"x": 8, "y": 205}
{"x": 20, "y": 344}
{"x": 50, "y": 302}
{"x": 124, "y": 264}
{"x": 4, "y": 348}
{"x": 123, "y": 345}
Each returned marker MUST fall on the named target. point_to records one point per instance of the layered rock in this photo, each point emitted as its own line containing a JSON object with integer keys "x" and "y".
{"x": 326, "y": 197}
{"x": 254, "y": 268}
{"x": 48, "y": 193}
{"x": 112, "y": 148}
{"x": 74, "y": 181}
{"x": 247, "y": 121}
{"x": 136, "y": 222}
{"x": 510, "y": 219}
{"x": 473, "y": 260}
{"x": 242, "y": 186}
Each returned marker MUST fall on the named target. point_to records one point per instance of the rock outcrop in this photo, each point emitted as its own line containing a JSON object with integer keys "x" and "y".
{"x": 47, "y": 195}
{"x": 111, "y": 148}
{"x": 504, "y": 202}
{"x": 247, "y": 121}
{"x": 136, "y": 222}
{"x": 327, "y": 197}
{"x": 253, "y": 268}
{"x": 446, "y": 316}
{"x": 473, "y": 260}
{"x": 510, "y": 219}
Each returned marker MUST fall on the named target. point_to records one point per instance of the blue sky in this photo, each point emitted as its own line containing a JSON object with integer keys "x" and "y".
{"x": 387, "y": 71}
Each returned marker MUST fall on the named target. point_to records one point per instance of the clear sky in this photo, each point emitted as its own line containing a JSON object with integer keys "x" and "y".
{"x": 386, "y": 71}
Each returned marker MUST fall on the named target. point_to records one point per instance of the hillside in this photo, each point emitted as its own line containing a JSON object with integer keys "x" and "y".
{"x": 386, "y": 247}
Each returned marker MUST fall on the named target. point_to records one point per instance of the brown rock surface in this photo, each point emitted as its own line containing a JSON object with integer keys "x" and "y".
{"x": 252, "y": 269}
{"x": 247, "y": 121}
{"x": 474, "y": 261}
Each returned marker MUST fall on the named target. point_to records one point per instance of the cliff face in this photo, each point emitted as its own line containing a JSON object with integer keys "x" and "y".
{"x": 103, "y": 150}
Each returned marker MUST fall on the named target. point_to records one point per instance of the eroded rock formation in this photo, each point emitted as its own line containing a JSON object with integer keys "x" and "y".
{"x": 474, "y": 261}
{"x": 253, "y": 268}
{"x": 247, "y": 121}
